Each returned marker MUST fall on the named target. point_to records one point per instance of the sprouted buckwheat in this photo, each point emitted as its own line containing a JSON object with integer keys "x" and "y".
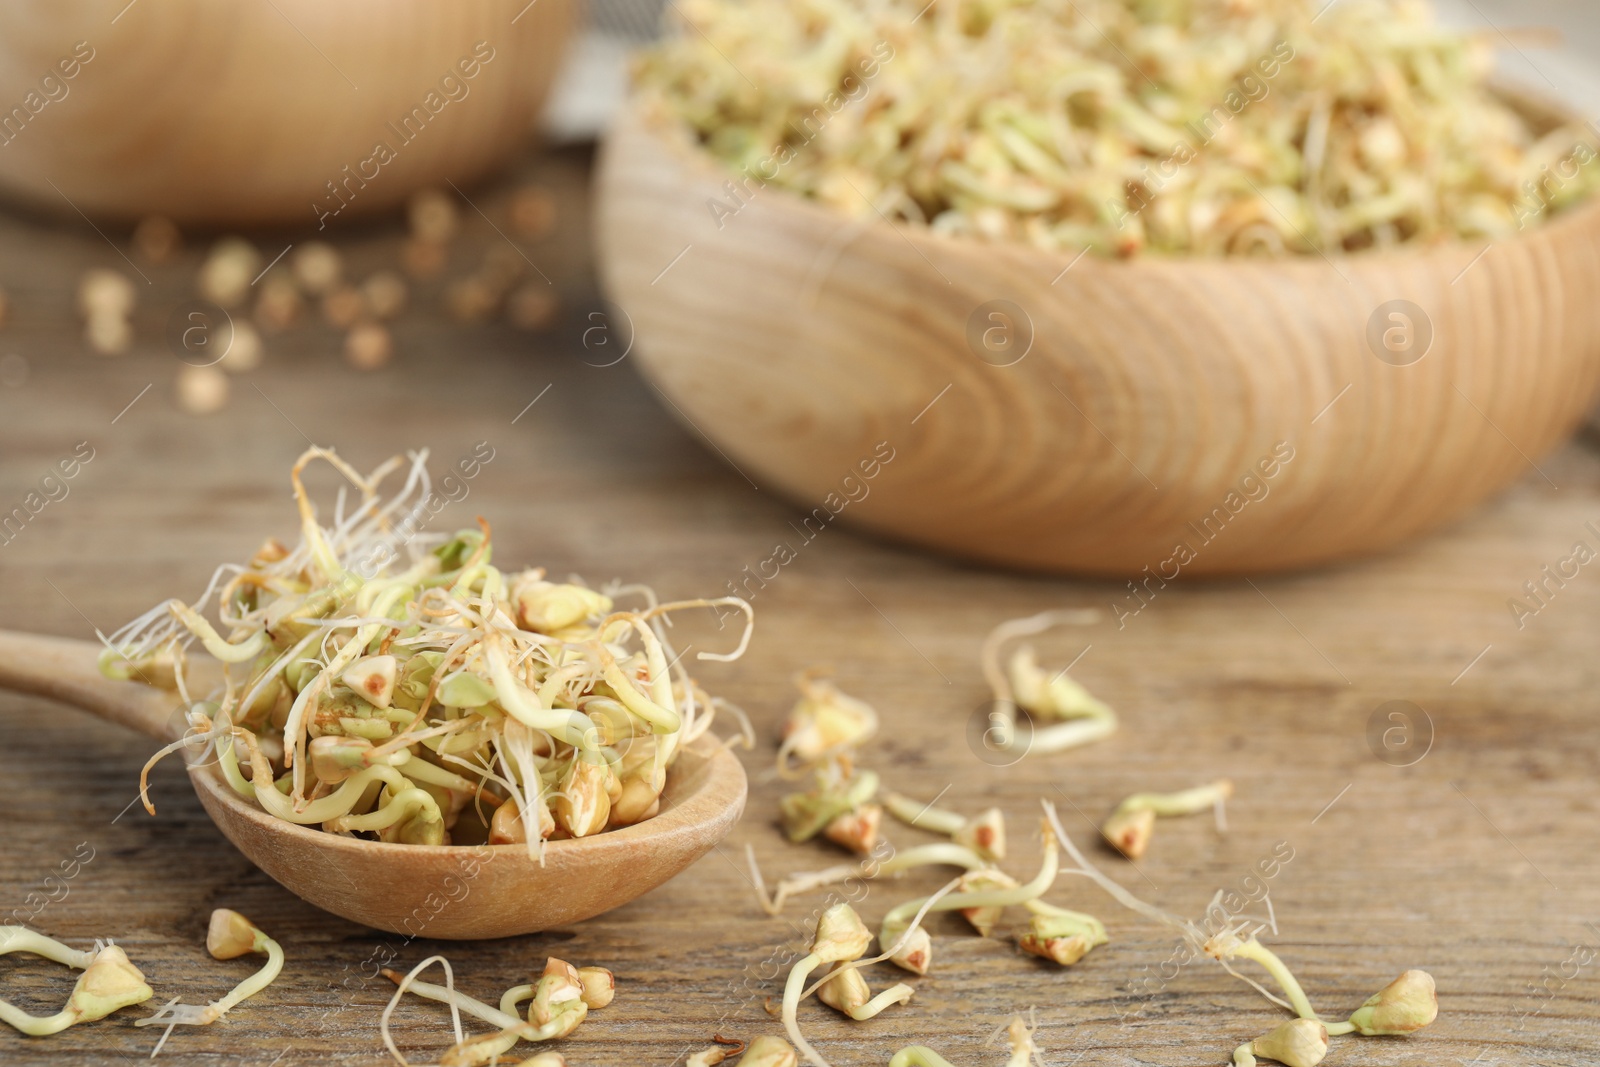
{"x": 428, "y": 699}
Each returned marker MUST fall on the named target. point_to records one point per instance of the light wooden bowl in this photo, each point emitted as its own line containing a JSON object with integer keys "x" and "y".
{"x": 796, "y": 340}
{"x": 223, "y": 113}
{"x": 468, "y": 893}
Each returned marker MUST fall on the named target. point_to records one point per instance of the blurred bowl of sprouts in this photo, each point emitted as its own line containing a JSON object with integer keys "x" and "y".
{"x": 1085, "y": 262}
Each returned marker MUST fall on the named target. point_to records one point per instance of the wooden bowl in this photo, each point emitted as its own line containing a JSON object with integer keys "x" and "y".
{"x": 222, "y": 113}
{"x": 1151, "y": 417}
{"x": 464, "y": 892}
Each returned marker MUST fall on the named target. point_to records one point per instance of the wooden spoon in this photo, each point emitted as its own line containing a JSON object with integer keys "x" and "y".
{"x": 455, "y": 892}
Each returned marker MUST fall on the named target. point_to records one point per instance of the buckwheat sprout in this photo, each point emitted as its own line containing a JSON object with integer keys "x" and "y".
{"x": 1407, "y": 1004}
{"x": 458, "y": 1002}
{"x": 924, "y": 816}
{"x": 824, "y": 725}
{"x": 229, "y": 936}
{"x": 226, "y": 651}
{"x": 947, "y": 854}
{"x": 561, "y": 1001}
{"x": 768, "y": 1051}
{"x": 210, "y": 733}
{"x": 984, "y": 833}
{"x": 414, "y": 651}
{"x": 1296, "y": 1043}
{"x": 1206, "y": 129}
{"x": 941, "y": 854}
{"x": 918, "y": 1056}
{"x": 984, "y": 898}
{"x": 1022, "y": 684}
{"x": 721, "y": 1049}
{"x": 1228, "y": 945}
{"x": 840, "y": 937}
{"x": 1187, "y": 929}
{"x": 846, "y": 991}
{"x": 1131, "y": 824}
{"x": 337, "y": 805}
{"x": 1064, "y": 937}
{"x": 108, "y": 983}
{"x": 1019, "y": 1035}
{"x": 747, "y": 730}
{"x": 905, "y": 939}
{"x": 743, "y": 605}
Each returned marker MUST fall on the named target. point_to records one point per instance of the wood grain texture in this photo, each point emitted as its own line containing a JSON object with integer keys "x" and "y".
{"x": 1129, "y": 399}
{"x": 1273, "y": 684}
{"x": 234, "y": 114}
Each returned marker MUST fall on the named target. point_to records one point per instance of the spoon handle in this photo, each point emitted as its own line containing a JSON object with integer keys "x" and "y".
{"x": 67, "y": 670}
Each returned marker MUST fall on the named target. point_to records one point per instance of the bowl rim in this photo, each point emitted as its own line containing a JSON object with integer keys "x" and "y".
{"x": 644, "y": 113}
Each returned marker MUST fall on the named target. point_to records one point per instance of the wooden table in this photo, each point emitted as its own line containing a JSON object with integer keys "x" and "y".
{"x": 1477, "y": 862}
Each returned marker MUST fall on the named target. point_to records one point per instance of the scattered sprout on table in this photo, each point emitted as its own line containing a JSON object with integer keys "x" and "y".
{"x": 984, "y": 833}
{"x": 109, "y": 982}
{"x": 1404, "y": 1006}
{"x": 1024, "y": 1053}
{"x": 1064, "y": 713}
{"x": 1295, "y": 1043}
{"x": 1129, "y": 826}
{"x": 558, "y": 1002}
{"x": 229, "y": 936}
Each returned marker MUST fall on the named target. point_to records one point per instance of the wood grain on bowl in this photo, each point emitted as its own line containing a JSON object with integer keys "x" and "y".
{"x": 467, "y": 892}
{"x": 254, "y": 113}
{"x": 1152, "y": 416}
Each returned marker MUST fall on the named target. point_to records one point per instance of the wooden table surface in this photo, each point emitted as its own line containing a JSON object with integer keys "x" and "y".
{"x": 1477, "y": 862}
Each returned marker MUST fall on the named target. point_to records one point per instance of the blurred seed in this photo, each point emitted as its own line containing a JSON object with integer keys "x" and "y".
{"x": 502, "y": 266}
{"x": 157, "y": 239}
{"x": 109, "y": 335}
{"x": 368, "y": 346}
{"x": 433, "y": 216}
{"x": 279, "y": 306}
{"x": 533, "y": 306}
{"x": 385, "y": 293}
{"x": 229, "y": 269}
{"x": 533, "y": 212}
{"x": 202, "y": 390}
{"x": 423, "y": 259}
{"x": 471, "y": 299}
{"x": 244, "y": 350}
{"x": 103, "y": 292}
{"x": 317, "y": 267}
{"x": 344, "y": 307}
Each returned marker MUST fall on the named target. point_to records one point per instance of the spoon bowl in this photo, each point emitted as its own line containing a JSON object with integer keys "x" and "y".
{"x": 449, "y": 892}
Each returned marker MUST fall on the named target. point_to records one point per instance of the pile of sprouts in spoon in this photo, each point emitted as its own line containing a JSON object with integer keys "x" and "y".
{"x": 1195, "y": 127}
{"x": 385, "y": 683}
